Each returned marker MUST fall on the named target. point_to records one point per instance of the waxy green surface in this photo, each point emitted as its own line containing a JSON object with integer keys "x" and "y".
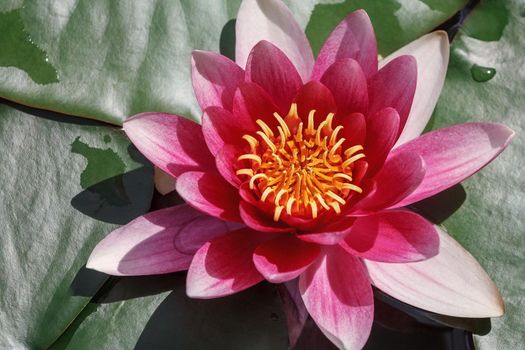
{"x": 490, "y": 224}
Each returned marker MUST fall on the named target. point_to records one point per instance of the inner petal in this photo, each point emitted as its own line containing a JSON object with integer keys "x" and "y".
{"x": 300, "y": 168}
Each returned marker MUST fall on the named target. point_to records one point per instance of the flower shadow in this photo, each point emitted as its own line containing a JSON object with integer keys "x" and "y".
{"x": 118, "y": 199}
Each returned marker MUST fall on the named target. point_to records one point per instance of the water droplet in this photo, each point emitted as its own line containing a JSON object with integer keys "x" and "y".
{"x": 107, "y": 138}
{"x": 20, "y": 51}
{"x": 274, "y": 316}
{"x": 482, "y": 74}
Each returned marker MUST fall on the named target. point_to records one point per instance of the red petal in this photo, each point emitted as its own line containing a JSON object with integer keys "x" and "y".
{"x": 394, "y": 86}
{"x": 251, "y": 102}
{"x": 224, "y": 266}
{"x": 210, "y": 194}
{"x": 347, "y": 82}
{"x": 400, "y": 175}
{"x": 220, "y": 127}
{"x": 381, "y": 134}
{"x": 284, "y": 258}
{"x": 314, "y": 96}
{"x": 260, "y": 221}
{"x": 272, "y": 70}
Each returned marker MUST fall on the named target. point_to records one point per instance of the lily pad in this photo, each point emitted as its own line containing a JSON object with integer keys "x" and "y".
{"x": 490, "y": 222}
{"x": 47, "y": 231}
{"x": 108, "y": 60}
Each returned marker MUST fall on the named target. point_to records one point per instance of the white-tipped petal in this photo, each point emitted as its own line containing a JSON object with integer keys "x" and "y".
{"x": 271, "y": 20}
{"x": 431, "y": 52}
{"x": 450, "y": 283}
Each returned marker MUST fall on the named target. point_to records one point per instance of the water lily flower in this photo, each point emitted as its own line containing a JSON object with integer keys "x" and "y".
{"x": 303, "y": 169}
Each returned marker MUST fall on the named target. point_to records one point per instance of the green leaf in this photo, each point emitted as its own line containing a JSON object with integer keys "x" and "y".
{"x": 52, "y": 189}
{"x": 108, "y": 60}
{"x": 132, "y": 314}
{"x": 396, "y": 23}
{"x": 490, "y": 222}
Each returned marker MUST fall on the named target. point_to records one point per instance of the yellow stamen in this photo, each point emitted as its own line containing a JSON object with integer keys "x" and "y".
{"x": 352, "y": 159}
{"x": 248, "y": 172}
{"x": 353, "y": 150}
{"x": 277, "y": 213}
{"x": 255, "y": 178}
{"x": 252, "y": 141}
{"x": 253, "y": 157}
{"x": 282, "y": 123}
{"x": 302, "y": 171}
{"x": 265, "y": 128}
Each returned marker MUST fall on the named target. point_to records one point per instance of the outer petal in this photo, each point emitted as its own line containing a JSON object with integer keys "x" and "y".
{"x": 431, "y": 52}
{"x": 353, "y": 38}
{"x": 452, "y": 154}
{"x": 210, "y": 194}
{"x": 394, "y": 86}
{"x": 394, "y": 236}
{"x": 347, "y": 82}
{"x": 338, "y": 296}
{"x": 274, "y": 72}
{"x": 284, "y": 258}
{"x": 173, "y": 143}
{"x": 224, "y": 266}
{"x": 159, "y": 242}
{"x": 400, "y": 175}
{"x": 451, "y": 283}
{"x": 381, "y": 133}
{"x": 271, "y": 20}
{"x": 215, "y": 78}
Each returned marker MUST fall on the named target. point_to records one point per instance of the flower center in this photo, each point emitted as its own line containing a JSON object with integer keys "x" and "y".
{"x": 302, "y": 170}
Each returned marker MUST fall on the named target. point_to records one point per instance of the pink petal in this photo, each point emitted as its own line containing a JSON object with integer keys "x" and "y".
{"x": 284, "y": 258}
{"x": 329, "y": 231}
{"x": 314, "y": 96}
{"x": 338, "y": 296}
{"x": 353, "y": 38}
{"x": 274, "y": 72}
{"x": 260, "y": 221}
{"x": 272, "y": 21}
{"x": 224, "y": 266}
{"x": 451, "y": 283}
{"x": 381, "y": 134}
{"x": 226, "y": 162}
{"x": 347, "y": 82}
{"x": 220, "y": 127}
{"x": 400, "y": 175}
{"x": 354, "y": 130}
{"x": 251, "y": 102}
{"x": 215, "y": 78}
{"x": 431, "y": 52}
{"x": 452, "y": 154}
{"x": 171, "y": 142}
{"x": 393, "y": 236}
{"x": 209, "y": 193}
{"x": 394, "y": 86}
{"x": 159, "y": 242}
